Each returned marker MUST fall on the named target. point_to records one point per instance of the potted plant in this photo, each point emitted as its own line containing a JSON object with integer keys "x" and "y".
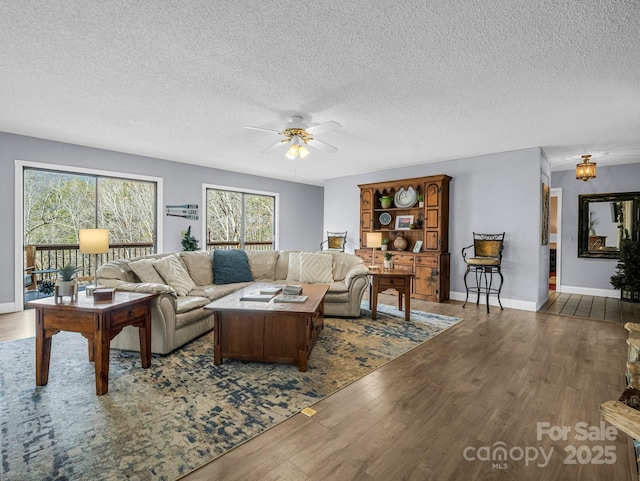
{"x": 627, "y": 276}
{"x": 388, "y": 260}
{"x": 66, "y": 283}
{"x": 385, "y": 244}
{"x": 420, "y": 198}
{"x": 189, "y": 243}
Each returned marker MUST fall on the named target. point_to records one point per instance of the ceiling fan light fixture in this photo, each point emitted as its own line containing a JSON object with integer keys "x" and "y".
{"x": 303, "y": 151}
{"x": 292, "y": 153}
{"x": 586, "y": 170}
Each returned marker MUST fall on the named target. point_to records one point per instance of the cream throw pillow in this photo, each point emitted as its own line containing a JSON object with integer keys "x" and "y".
{"x": 316, "y": 268}
{"x": 175, "y": 275}
{"x": 293, "y": 274}
{"x": 143, "y": 268}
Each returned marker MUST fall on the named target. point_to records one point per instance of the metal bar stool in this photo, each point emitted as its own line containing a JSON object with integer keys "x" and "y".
{"x": 486, "y": 260}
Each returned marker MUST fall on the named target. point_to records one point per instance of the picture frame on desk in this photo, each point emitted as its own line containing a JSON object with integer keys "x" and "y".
{"x": 418, "y": 247}
{"x": 403, "y": 222}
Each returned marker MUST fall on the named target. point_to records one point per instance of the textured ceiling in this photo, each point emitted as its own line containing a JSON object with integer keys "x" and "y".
{"x": 409, "y": 81}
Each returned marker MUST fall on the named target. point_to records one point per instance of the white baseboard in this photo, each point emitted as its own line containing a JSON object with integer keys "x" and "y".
{"x": 493, "y": 301}
{"x": 7, "y": 307}
{"x": 590, "y": 291}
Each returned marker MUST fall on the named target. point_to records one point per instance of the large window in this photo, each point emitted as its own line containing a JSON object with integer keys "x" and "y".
{"x": 240, "y": 220}
{"x": 57, "y": 204}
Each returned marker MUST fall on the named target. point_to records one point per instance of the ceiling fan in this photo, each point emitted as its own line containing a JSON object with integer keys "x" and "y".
{"x": 297, "y": 135}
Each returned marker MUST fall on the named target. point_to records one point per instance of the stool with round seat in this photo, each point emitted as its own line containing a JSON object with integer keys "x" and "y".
{"x": 486, "y": 261}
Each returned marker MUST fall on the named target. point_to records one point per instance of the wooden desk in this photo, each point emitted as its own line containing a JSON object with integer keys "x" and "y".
{"x": 99, "y": 322}
{"x": 382, "y": 280}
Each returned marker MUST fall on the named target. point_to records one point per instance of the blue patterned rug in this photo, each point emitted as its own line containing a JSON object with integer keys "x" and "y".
{"x": 163, "y": 422}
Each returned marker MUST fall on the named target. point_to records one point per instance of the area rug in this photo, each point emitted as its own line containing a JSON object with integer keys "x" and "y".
{"x": 163, "y": 422}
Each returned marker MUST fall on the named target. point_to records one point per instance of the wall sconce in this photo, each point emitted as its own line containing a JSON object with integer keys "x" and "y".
{"x": 586, "y": 170}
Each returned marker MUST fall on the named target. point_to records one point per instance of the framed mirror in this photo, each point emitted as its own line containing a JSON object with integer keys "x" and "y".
{"x": 603, "y": 220}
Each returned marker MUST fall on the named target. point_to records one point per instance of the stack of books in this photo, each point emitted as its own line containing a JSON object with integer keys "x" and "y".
{"x": 292, "y": 290}
{"x": 273, "y": 290}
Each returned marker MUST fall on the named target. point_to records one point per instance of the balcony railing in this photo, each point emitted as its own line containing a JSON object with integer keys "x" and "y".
{"x": 249, "y": 245}
{"x": 55, "y": 256}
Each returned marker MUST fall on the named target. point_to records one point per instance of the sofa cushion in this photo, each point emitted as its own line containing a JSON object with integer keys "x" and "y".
{"x": 188, "y": 303}
{"x": 146, "y": 272}
{"x": 213, "y": 291}
{"x": 316, "y": 268}
{"x": 263, "y": 264}
{"x": 293, "y": 273}
{"x": 199, "y": 265}
{"x": 174, "y": 274}
{"x": 231, "y": 266}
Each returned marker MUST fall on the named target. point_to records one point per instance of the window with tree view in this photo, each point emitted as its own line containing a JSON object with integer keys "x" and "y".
{"x": 240, "y": 220}
{"x": 58, "y": 204}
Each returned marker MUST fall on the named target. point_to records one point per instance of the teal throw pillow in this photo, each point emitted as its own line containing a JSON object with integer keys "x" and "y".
{"x": 231, "y": 266}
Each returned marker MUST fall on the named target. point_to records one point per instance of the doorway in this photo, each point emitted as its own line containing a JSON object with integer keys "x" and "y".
{"x": 555, "y": 239}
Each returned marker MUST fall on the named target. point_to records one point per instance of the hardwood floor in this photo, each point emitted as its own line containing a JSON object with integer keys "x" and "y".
{"x": 488, "y": 380}
{"x": 599, "y": 308}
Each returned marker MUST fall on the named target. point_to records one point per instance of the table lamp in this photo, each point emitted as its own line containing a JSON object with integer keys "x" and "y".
{"x": 374, "y": 239}
{"x": 94, "y": 241}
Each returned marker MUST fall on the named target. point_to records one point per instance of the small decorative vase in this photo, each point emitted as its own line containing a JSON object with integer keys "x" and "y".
{"x": 383, "y": 247}
{"x": 400, "y": 243}
{"x": 592, "y": 232}
{"x": 387, "y": 264}
{"x": 421, "y": 204}
{"x": 385, "y": 201}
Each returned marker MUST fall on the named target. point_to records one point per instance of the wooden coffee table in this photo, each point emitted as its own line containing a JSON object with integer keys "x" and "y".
{"x": 99, "y": 322}
{"x": 267, "y": 331}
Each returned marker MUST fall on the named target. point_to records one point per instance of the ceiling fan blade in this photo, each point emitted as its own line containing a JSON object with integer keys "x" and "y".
{"x": 275, "y": 147}
{"x": 264, "y": 130}
{"x": 324, "y": 127}
{"x": 320, "y": 145}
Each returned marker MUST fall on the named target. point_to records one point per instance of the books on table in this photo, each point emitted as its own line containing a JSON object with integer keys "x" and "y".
{"x": 256, "y": 296}
{"x": 292, "y": 290}
{"x": 290, "y": 298}
{"x": 273, "y": 290}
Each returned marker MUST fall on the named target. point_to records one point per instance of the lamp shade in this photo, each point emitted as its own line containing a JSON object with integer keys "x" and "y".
{"x": 374, "y": 239}
{"x": 94, "y": 241}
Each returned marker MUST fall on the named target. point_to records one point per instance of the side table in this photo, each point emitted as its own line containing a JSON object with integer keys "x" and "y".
{"x": 99, "y": 322}
{"x": 382, "y": 280}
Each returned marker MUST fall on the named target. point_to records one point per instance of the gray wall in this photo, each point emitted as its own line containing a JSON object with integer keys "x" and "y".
{"x": 588, "y": 275}
{"x": 301, "y": 205}
{"x": 490, "y": 193}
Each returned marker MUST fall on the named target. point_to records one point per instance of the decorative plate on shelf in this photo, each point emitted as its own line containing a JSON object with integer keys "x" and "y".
{"x": 385, "y": 218}
{"x": 406, "y": 198}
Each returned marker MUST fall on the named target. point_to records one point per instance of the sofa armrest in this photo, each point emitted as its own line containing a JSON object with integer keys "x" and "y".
{"x": 149, "y": 287}
{"x": 355, "y": 272}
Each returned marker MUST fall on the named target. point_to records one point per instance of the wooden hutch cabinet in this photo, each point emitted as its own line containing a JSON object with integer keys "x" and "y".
{"x": 405, "y": 217}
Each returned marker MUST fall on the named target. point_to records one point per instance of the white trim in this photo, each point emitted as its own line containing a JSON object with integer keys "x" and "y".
{"x": 493, "y": 301}
{"x": 276, "y": 212}
{"x": 591, "y": 291}
{"x": 20, "y": 165}
{"x": 7, "y": 307}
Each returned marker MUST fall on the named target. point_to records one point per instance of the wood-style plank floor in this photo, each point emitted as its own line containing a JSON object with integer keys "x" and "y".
{"x": 434, "y": 413}
{"x": 599, "y": 308}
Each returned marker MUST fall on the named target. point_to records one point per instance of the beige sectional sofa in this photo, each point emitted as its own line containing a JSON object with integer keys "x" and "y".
{"x": 178, "y": 314}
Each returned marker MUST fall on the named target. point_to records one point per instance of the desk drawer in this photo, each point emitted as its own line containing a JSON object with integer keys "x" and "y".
{"x": 390, "y": 282}
{"x": 129, "y": 313}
